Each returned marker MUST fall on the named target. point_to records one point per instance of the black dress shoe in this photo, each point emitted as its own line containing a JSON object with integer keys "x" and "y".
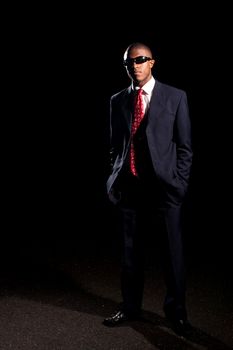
{"x": 118, "y": 318}
{"x": 178, "y": 320}
{"x": 180, "y": 326}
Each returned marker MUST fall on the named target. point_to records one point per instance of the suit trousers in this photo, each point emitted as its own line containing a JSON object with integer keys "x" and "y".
{"x": 145, "y": 223}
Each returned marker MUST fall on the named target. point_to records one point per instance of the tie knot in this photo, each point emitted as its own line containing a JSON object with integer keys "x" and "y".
{"x": 139, "y": 91}
{"x": 139, "y": 103}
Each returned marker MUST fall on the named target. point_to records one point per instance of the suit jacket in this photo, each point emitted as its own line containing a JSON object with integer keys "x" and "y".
{"x": 168, "y": 133}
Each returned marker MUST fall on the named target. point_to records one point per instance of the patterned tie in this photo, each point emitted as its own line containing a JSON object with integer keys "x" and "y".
{"x": 138, "y": 116}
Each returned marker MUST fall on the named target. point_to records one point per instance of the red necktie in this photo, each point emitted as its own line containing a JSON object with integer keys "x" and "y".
{"x": 138, "y": 116}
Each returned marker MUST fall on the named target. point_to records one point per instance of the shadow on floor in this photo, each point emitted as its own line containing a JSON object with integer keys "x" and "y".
{"x": 49, "y": 285}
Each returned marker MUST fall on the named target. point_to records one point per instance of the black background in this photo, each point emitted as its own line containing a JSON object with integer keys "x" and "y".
{"x": 62, "y": 66}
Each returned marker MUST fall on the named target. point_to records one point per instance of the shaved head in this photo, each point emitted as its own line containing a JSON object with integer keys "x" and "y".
{"x": 137, "y": 45}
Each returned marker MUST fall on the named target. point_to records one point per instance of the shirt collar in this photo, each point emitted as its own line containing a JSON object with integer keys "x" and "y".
{"x": 148, "y": 87}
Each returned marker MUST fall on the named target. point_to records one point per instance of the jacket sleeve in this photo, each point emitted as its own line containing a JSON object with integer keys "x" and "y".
{"x": 183, "y": 139}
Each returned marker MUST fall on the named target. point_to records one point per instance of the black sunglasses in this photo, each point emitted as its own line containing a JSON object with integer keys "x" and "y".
{"x": 138, "y": 60}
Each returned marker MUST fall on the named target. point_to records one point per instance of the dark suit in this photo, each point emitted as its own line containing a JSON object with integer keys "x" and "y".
{"x": 164, "y": 154}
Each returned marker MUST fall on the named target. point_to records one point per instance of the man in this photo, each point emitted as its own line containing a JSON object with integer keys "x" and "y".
{"x": 151, "y": 158}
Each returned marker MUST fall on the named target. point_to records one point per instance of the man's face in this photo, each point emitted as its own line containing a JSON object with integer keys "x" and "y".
{"x": 138, "y": 63}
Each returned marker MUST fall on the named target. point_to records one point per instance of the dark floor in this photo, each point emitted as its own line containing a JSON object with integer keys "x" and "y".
{"x": 55, "y": 297}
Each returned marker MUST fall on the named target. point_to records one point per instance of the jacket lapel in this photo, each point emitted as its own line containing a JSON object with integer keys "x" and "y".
{"x": 128, "y": 106}
{"x": 156, "y": 105}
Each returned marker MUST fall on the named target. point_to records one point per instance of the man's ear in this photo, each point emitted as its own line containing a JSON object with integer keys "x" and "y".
{"x": 152, "y": 63}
